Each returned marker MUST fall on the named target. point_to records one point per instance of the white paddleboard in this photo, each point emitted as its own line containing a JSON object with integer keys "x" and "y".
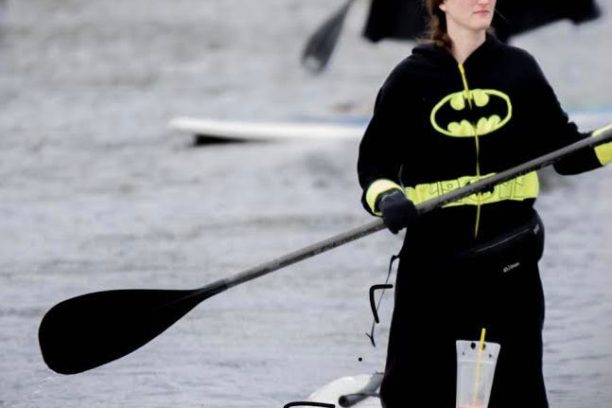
{"x": 208, "y": 130}
{"x": 215, "y": 130}
{"x": 347, "y": 386}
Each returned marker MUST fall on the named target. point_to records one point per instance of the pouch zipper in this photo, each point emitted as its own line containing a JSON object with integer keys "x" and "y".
{"x": 508, "y": 238}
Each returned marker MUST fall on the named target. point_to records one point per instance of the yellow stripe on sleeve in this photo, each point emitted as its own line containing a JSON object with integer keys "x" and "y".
{"x": 604, "y": 151}
{"x": 376, "y": 189}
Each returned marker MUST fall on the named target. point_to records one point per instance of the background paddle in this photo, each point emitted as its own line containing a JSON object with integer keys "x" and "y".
{"x": 93, "y": 329}
{"x": 321, "y": 44}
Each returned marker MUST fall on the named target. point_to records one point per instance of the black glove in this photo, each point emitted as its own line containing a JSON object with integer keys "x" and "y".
{"x": 397, "y": 211}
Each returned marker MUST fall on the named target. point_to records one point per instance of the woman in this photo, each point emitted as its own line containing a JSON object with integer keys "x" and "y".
{"x": 461, "y": 107}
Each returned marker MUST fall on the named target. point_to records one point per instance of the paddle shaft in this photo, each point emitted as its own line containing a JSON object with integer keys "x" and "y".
{"x": 93, "y": 329}
{"x": 425, "y": 207}
{"x": 368, "y": 390}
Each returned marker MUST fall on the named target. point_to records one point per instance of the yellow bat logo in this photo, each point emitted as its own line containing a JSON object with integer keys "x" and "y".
{"x": 470, "y": 113}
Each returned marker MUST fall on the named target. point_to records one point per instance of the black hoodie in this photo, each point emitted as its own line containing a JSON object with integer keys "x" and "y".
{"x": 436, "y": 120}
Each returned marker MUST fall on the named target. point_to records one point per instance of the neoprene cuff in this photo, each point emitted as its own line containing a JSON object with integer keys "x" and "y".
{"x": 376, "y": 189}
{"x": 604, "y": 151}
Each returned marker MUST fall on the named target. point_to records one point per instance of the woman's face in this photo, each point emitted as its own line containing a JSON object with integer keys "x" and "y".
{"x": 475, "y": 15}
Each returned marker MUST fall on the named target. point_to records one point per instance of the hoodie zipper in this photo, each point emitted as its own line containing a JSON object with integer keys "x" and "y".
{"x": 468, "y": 97}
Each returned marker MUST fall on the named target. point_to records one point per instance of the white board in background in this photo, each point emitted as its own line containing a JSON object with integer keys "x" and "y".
{"x": 207, "y": 130}
{"x": 229, "y": 130}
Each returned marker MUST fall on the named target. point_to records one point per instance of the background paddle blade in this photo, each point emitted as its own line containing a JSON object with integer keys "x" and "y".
{"x": 93, "y": 329}
{"x": 321, "y": 44}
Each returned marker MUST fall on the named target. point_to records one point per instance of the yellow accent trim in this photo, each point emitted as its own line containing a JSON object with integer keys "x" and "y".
{"x": 604, "y": 151}
{"x": 517, "y": 189}
{"x": 478, "y": 196}
{"x": 376, "y": 189}
{"x": 464, "y": 128}
{"x": 466, "y": 88}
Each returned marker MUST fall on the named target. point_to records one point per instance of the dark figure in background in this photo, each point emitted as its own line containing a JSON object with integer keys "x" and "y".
{"x": 407, "y": 19}
{"x": 461, "y": 107}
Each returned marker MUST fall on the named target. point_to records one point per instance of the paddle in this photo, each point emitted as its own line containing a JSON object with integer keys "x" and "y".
{"x": 93, "y": 329}
{"x": 321, "y": 44}
{"x": 368, "y": 390}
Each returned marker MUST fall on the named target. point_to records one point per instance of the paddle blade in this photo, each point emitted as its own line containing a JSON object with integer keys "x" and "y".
{"x": 322, "y": 43}
{"x": 88, "y": 331}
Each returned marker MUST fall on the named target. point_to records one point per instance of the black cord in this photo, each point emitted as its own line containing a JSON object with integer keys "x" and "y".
{"x": 374, "y": 307}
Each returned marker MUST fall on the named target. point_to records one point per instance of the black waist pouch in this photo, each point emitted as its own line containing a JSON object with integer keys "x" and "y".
{"x": 507, "y": 251}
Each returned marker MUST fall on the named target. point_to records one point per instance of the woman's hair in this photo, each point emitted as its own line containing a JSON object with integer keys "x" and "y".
{"x": 437, "y": 31}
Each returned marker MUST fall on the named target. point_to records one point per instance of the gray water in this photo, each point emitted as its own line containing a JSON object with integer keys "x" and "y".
{"x": 97, "y": 193}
